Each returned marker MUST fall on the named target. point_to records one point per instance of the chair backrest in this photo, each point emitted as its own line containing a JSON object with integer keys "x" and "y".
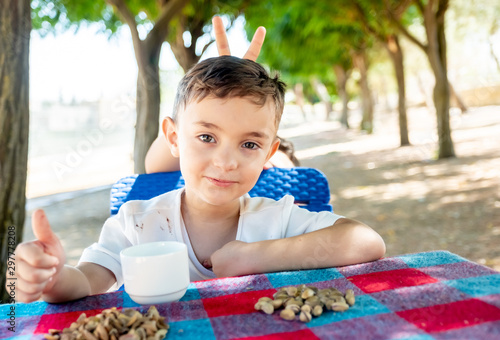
{"x": 308, "y": 186}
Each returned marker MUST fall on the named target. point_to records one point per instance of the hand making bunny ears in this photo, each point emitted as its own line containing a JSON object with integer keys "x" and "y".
{"x": 223, "y": 46}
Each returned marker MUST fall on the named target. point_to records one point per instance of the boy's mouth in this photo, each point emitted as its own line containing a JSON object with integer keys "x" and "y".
{"x": 220, "y": 182}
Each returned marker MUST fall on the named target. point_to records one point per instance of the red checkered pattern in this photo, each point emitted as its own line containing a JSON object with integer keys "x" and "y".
{"x": 434, "y": 295}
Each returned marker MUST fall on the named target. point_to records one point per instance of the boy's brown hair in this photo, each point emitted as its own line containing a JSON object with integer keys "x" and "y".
{"x": 226, "y": 77}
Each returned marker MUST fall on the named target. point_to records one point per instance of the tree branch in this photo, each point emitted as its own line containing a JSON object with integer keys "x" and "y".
{"x": 403, "y": 29}
{"x": 364, "y": 20}
{"x": 207, "y": 45}
{"x": 442, "y": 7}
{"x": 129, "y": 19}
{"x": 196, "y": 33}
{"x": 401, "y": 7}
{"x": 420, "y": 6}
{"x": 157, "y": 35}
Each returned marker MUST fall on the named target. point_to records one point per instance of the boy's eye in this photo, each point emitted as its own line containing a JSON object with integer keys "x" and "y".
{"x": 250, "y": 145}
{"x": 206, "y": 138}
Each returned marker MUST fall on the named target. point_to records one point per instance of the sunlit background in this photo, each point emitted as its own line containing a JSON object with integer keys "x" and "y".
{"x": 82, "y": 101}
{"x": 82, "y": 96}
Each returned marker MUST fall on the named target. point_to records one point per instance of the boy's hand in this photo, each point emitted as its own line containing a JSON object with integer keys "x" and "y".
{"x": 230, "y": 260}
{"x": 223, "y": 46}
{"x": 39, "y": 262}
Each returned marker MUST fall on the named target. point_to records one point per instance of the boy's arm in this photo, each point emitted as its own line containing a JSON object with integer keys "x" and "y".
{"x": 81, "y": 281}
{"x": 159, "y": 158}
{"x": 346, "y": 242}
{"x": 40, "y": 269}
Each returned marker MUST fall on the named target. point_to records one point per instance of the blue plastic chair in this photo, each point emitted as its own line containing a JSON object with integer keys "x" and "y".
{"x": 308, "y": 186}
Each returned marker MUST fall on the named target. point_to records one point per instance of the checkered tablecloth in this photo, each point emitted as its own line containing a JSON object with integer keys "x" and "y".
{"x": 433, "y": 295}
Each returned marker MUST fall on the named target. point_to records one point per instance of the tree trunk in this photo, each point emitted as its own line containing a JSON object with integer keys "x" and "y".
{"x": 185, "y": 56}
{"x": 361, "y": 63}
{"x": 342, "y": 75}
{"x": 493, "y": 30}
{"x": 396, "y": 53}
{"x": 322, "y": 93}
{"x": 148, "y": 113}
{"x": 433, "y": 13}
{"x": 436, "y": 51}
{"x": 15, "y": 28}
{"x": 298, "y": 89}
{"x": 458, "y": 100}
{"x": 441, "y": 96}
{"x": 425, "y": 93}
{"x": 147, "y": 54}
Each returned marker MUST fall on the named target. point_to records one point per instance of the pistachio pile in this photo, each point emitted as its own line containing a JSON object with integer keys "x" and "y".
{"x": 112, "y": 324}
{"x": 306, "y": 301}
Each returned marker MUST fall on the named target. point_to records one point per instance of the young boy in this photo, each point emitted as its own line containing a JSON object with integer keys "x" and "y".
{"x": 223, "y": 131}
{"x": 158, "y": 158}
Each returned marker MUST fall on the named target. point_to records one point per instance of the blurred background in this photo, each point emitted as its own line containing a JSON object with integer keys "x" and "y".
{"x": 397, "y": 102}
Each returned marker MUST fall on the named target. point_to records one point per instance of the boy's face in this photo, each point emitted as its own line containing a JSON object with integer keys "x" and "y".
{"x": 222, "y": 145}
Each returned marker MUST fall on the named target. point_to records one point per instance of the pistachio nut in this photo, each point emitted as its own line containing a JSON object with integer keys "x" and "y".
{"x": 294, "y": 308}
{"x": 317, "y": 310}
{"x": 287, "y": 314}
{"x": 305, "y": 316}
{"x": 349, "y": 297}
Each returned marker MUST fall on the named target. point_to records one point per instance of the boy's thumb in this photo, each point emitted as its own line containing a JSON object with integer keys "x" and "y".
{"x": 41, "y": 228}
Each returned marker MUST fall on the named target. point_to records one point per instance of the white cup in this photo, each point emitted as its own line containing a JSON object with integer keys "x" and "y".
{"x": 155, "y": 272}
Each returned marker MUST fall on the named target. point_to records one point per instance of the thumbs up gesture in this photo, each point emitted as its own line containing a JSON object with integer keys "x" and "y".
{"x": 38, "y": 262}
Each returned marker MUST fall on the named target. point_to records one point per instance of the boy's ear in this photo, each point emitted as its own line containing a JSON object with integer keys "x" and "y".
{"x": 274, "y": 148}
{"x": 170, "y": 132}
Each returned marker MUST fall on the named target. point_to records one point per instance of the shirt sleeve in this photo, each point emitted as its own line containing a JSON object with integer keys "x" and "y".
{"x": 301, "y": 221}
{"x": 106, "y": 252}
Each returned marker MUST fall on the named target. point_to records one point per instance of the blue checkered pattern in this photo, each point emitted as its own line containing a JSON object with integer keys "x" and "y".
{"x": 433, "y": 295}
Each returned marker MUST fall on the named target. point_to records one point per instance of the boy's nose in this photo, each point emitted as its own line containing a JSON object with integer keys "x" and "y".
{"x": 225, "y": 159}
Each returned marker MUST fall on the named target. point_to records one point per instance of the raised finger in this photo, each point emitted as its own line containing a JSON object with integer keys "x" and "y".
{"x": 31, "y": 274}
{"x": 220, "y": 36}
{"x": 256, "y": 44}
{"x": 33, "y": 254}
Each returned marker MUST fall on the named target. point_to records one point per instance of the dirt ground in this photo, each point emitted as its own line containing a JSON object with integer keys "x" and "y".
{"x": 415, "y": 202}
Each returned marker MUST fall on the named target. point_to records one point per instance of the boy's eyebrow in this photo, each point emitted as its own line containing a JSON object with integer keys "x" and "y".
{"x": 256, "y": 134}
{"x": 207, "y": 125}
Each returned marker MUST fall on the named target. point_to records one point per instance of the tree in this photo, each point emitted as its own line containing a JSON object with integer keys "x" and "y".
{"x": 163, "y": 20}
{"x": 147, "y": 53}
{"x": 370, "y": 14}
{"x": 432, "y": 13}
{"x": 153, "y": 17}
{"x": 479, "y": 20}
{"x": 15, "y": 28}
{"x": 342, "y": 75}
{"x": 361, "y": 62}
{"x": 314, "y": 38}
{"x": 195, "y": 21}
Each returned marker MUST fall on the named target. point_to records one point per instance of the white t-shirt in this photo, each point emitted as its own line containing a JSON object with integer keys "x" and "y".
{"x": 160, "y": 219}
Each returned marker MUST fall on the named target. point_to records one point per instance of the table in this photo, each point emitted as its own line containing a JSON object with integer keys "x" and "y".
{"x": 431, "y": 295}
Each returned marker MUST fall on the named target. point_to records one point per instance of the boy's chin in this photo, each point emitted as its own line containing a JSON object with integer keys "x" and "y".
{"x": 217, "y": 197}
